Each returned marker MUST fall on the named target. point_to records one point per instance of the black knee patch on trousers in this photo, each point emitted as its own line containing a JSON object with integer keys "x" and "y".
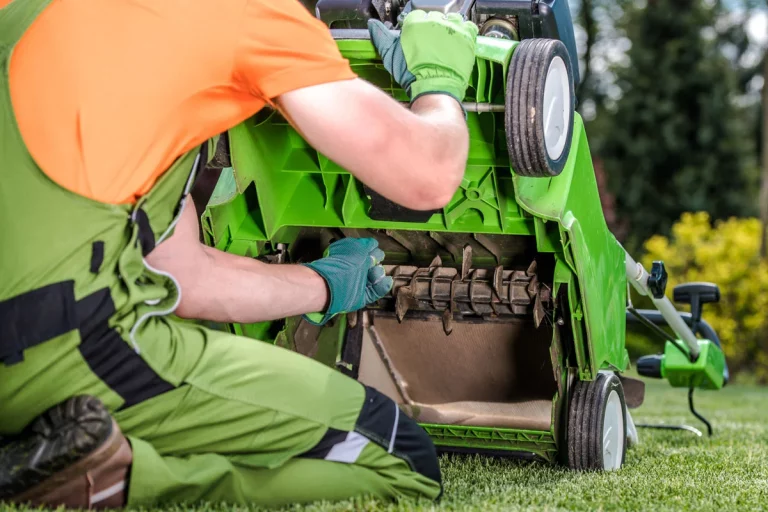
{"x": 331, "y": 438}
{"x": 382, "y": 421}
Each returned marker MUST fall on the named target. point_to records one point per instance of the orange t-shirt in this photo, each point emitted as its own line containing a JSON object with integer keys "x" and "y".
{"x": 107, "y": 94}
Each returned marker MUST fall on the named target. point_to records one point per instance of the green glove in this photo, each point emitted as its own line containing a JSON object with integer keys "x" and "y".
{"x": 355, "y": 278}
{"x": 435, "y": 53}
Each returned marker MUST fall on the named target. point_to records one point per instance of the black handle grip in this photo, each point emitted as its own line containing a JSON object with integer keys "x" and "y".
{"x": 650, "y": 366}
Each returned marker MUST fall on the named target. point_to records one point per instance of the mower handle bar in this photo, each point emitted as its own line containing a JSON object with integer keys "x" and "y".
{"x": 354, "y": 33}
{"x": 638, "y": 276}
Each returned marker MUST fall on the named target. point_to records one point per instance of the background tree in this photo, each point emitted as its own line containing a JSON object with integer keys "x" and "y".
{"x": 598, "y": 42}
{"x": 675, "y": 140}
{"x": 763, "y": 132}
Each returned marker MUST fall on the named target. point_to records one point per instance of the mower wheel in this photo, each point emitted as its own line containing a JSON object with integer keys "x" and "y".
{"x": 597, "y": 424}
{"x": 539, "y": 109}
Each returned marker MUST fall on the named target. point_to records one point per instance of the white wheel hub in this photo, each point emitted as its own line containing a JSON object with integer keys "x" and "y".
{"x": 613, "y": 433}
{"x": 557, "y": 108}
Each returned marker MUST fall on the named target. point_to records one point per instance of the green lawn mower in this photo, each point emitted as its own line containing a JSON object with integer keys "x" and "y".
{"x": 504, "y": 332}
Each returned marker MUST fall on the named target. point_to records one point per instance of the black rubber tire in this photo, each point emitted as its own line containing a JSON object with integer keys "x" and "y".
{"x": 586, "y": 414}
{"x": 524, "y": 110}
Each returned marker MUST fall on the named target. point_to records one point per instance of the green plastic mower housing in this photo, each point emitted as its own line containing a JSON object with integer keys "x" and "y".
{"x": 706, "y": 372}
{"x": 279, "y": 186}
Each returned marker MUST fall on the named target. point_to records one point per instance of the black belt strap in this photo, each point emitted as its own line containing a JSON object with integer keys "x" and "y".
{"x": 110, "y": 357}
{"x": 146, "y": 235}
{"x": 46, "y": 313}
{"x": 34, "y": 317}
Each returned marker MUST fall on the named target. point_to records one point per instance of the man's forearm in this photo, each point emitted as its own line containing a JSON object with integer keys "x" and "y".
{"x": 244, "y": 290}
{"x": 427, "y": 149}
{"x": 449, "y": 142}
{"x": 382, "y": 143}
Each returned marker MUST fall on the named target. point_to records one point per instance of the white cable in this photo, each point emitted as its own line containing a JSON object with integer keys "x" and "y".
{"x": 183, "y": 202}
{"x": 150, "y": 314}
{"x": 175, "y": 221}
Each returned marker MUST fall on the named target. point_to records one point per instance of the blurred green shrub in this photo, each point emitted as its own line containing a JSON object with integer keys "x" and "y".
{"x": 726, "y": 253}
{"x": 639, "y": 343}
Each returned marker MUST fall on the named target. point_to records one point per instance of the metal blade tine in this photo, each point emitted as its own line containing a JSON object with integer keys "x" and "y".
{"x": 466, "y": 261}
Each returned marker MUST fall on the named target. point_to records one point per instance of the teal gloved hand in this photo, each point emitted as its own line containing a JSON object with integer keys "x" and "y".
{"x": 435, "y": 53}
{"x": 351, "y": 268}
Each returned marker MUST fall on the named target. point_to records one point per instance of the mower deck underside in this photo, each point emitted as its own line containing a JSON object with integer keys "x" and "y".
{"x": 490, "y": 374}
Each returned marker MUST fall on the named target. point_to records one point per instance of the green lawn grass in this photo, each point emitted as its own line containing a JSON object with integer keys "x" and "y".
{"x": 669, "y": 470}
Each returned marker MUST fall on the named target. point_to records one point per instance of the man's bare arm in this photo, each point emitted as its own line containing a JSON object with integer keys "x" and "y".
{"x": 223, "y": 287}
{"x": 416, "y": 158}
{"x": 413, "y": 157}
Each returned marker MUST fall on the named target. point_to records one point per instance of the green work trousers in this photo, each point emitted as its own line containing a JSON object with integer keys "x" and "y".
{"x": 249, "y": 422}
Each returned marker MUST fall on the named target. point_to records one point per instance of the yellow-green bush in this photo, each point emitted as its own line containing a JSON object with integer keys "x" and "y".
{"x": 727, "y": 254}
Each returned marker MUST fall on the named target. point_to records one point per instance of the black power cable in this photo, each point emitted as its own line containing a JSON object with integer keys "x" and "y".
{"x": 699, "y": 416}
{"x": 642, "y": 318}
{"x": 655, "y": 329}
{"x": 683, "y": 427}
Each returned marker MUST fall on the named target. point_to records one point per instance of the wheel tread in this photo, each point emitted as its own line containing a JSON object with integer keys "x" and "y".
{"x": 525, "y": 87}
{"x": 594, "y": 444}
{"x": 574, "y": 426}
{"x": 585, "y": 421}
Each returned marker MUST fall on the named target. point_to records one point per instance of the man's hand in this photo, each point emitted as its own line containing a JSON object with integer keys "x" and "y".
{"x": 354, "y": 276}
{"x": 435, "y": 53}
{"x": 223, "y": 287}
